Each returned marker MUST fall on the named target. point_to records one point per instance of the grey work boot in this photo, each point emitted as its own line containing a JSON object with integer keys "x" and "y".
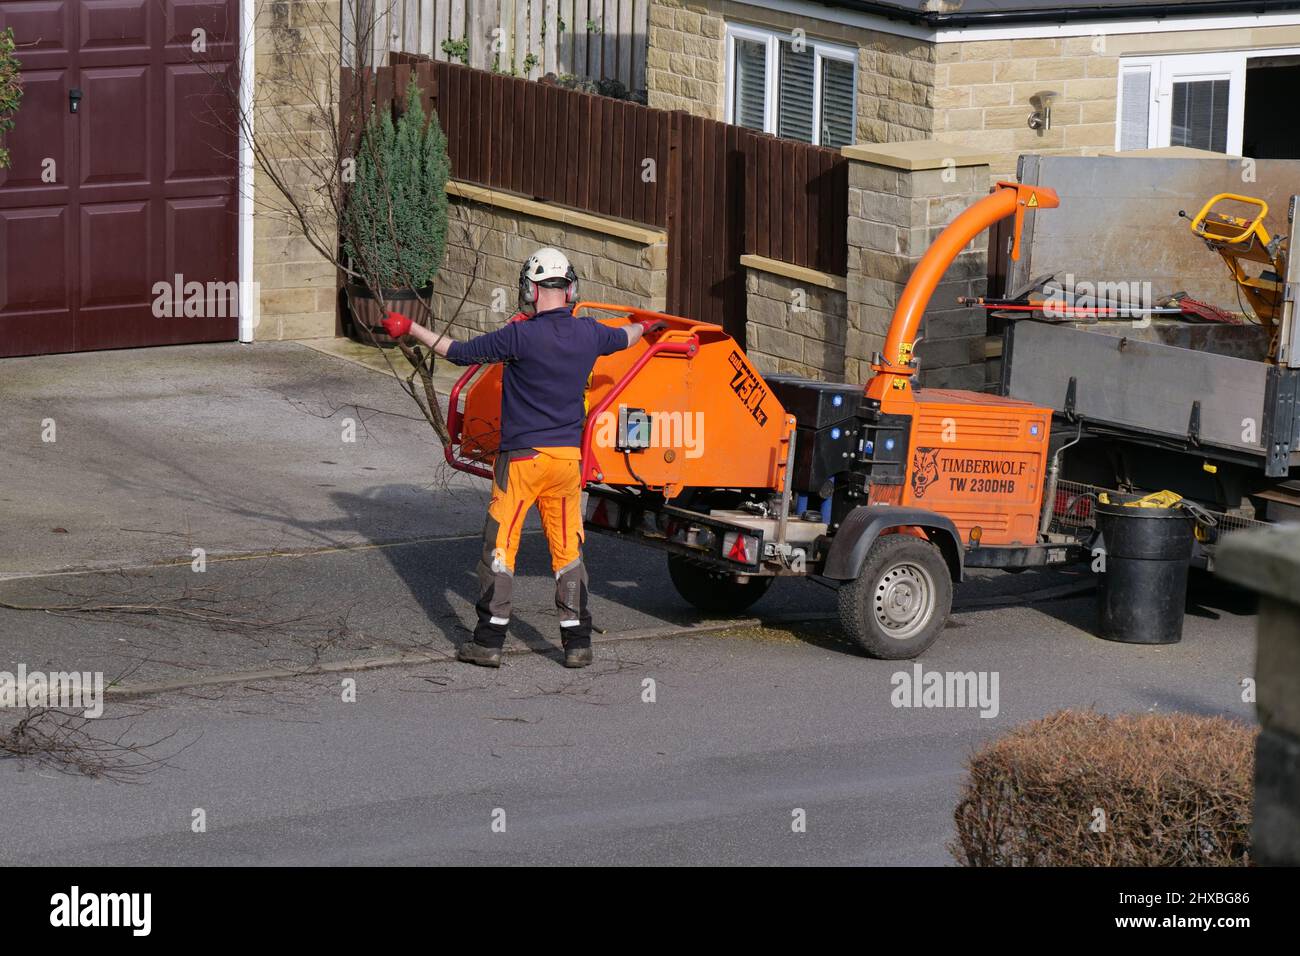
{"x": 575, "y": 619}
{"x": 578, "y": 656}
{"x": 472, "y": 652}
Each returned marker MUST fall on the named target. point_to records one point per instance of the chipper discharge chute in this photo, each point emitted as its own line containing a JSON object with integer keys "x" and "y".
{"x": 889, "y": 490}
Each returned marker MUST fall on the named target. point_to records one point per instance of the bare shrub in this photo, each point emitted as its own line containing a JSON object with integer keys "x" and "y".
{"x": 1086, "y": 789}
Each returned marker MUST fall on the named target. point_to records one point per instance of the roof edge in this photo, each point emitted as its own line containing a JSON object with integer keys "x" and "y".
{"x": 1121, "y": 11}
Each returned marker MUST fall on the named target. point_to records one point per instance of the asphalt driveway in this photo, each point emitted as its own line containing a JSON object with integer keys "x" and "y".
{"x": 326, "y": 558}
{"x": 229, "y": 448}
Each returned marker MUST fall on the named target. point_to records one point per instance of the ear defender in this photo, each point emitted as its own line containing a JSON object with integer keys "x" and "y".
{"x": 527, "y": 289}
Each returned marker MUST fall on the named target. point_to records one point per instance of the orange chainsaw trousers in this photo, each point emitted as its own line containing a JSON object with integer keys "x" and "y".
{"x": 550, "y": 479}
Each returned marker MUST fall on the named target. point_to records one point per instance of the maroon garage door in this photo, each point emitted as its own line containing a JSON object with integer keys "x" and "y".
{"x": 143, "y": 172}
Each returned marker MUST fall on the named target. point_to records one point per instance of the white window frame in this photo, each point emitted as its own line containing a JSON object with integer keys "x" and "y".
{"x": 1227, "y": 65}
{"x": 822, "y": 50}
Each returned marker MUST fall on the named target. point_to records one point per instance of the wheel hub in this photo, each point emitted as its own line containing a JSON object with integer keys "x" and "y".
{"x": 904, "y": 600}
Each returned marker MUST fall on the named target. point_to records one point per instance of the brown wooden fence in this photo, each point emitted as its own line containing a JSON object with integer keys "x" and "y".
{"x": 543, "y": 141}
{"x": 720, "y": 191}
{"x": 797, "y": 210}
{"x": 706, "y": 223}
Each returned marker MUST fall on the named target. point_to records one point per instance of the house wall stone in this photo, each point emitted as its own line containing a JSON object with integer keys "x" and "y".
{"x": 969, "y": 93}
{"x": 295, "y": 83}
{"x": 982, "y": 88}
{"x": 685, "y": 49}
{"x": 487, "y": 244}
{"x": 686, "y": 65}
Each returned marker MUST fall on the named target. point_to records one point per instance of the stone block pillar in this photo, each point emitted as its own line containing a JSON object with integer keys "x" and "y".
{"x": 901, "y": 196}
{"x": 1268, "y": 561}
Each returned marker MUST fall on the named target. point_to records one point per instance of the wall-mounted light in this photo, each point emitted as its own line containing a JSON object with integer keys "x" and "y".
{"x": 1041, "y": 118}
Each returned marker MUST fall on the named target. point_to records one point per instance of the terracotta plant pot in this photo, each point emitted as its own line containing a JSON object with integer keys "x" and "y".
{"x": 365, "y": 312}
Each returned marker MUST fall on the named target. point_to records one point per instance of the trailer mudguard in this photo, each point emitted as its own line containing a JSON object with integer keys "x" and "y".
{"x": 866, "y": 523}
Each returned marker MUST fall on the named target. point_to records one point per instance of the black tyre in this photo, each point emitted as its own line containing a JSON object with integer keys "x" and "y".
{"x": 898, "y": 605}
{"x": 714, "y": 591}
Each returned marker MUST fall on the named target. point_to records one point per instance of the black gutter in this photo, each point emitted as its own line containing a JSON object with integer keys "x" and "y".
{"x": 1119, "y": 11}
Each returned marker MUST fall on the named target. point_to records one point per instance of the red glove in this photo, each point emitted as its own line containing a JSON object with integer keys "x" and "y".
{"x": 651, "y": 325}
{"x": 396, "y": 325}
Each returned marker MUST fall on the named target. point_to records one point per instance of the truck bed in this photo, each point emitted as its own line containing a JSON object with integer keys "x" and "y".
{"x": 1226, "y": 407}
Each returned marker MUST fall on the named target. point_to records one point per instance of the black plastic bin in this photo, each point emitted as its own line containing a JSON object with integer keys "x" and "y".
{"x": 1144, "y": 586}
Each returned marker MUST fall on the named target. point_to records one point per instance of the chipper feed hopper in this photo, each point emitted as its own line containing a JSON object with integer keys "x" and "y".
{"x": 684, "y": 410}
{"x": 890, "y": 490}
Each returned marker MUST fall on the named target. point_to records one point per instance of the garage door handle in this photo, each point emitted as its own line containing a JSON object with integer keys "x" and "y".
{"x": 74, "y": 100}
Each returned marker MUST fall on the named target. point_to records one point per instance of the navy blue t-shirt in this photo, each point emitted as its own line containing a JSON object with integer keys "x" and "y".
{"x": 549, "y": 360}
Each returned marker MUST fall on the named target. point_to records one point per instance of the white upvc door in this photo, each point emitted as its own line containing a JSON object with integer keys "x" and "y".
{"x": 1200, "y": 101}
{"x": 1193, "y": 99}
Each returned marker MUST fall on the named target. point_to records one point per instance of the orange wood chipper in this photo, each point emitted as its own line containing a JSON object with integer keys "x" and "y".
{"x": 892, "y": 491}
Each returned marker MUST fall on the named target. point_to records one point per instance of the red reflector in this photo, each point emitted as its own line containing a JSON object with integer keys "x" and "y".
{"x": 1073, "y": 505}
{"x": 738, "y": 552}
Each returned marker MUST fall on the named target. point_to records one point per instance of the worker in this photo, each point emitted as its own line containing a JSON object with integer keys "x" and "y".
{"x": 548, "y": 354}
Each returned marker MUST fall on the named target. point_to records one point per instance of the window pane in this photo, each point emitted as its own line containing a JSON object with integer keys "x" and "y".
{"x": 837, "y": 103}
{"x": 750, "y": 87}
{"x": 1200, "y": 115}
{"x": 794, "y": 104}
{"x": 1136, "y": 111}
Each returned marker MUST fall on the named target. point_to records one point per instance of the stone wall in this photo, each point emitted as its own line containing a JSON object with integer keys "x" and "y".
{"x": 611, "y": 268}
{"x": 982, "y": 88}
{"x": 793, "y": 324}
{"x": 685, "y": 57}
{"x": 895, "y": 88}
{"x": 686, "y": 65}
{"x": 974, "y": 93}
{"x": 901, "y": 196}
{"x": 295, "y": 83}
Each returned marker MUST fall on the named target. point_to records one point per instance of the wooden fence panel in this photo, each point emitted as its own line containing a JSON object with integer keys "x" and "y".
{"x": 720, "y": 191}
{"x": 541, "y": 140}
{"x": 706, "y": 222}
{"x": 798, "y": 206}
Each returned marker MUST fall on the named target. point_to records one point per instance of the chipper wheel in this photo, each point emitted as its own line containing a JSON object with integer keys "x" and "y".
{"x": 714, "y": 591}
{"x": 898, "y": 605}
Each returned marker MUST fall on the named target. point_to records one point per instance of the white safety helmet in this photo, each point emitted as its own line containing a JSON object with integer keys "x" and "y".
{"x": 549, "y": 267}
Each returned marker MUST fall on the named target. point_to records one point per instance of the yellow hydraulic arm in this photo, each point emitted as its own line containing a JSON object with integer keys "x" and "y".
{"x": 1242, "y": 239}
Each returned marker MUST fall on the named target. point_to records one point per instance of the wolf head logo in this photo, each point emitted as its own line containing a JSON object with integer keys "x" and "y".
{"x": 925, "y": 470}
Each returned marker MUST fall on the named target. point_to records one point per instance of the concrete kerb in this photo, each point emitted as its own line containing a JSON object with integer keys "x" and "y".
{"x": 360, "y": 664}
{"x": 245, "y": 556}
